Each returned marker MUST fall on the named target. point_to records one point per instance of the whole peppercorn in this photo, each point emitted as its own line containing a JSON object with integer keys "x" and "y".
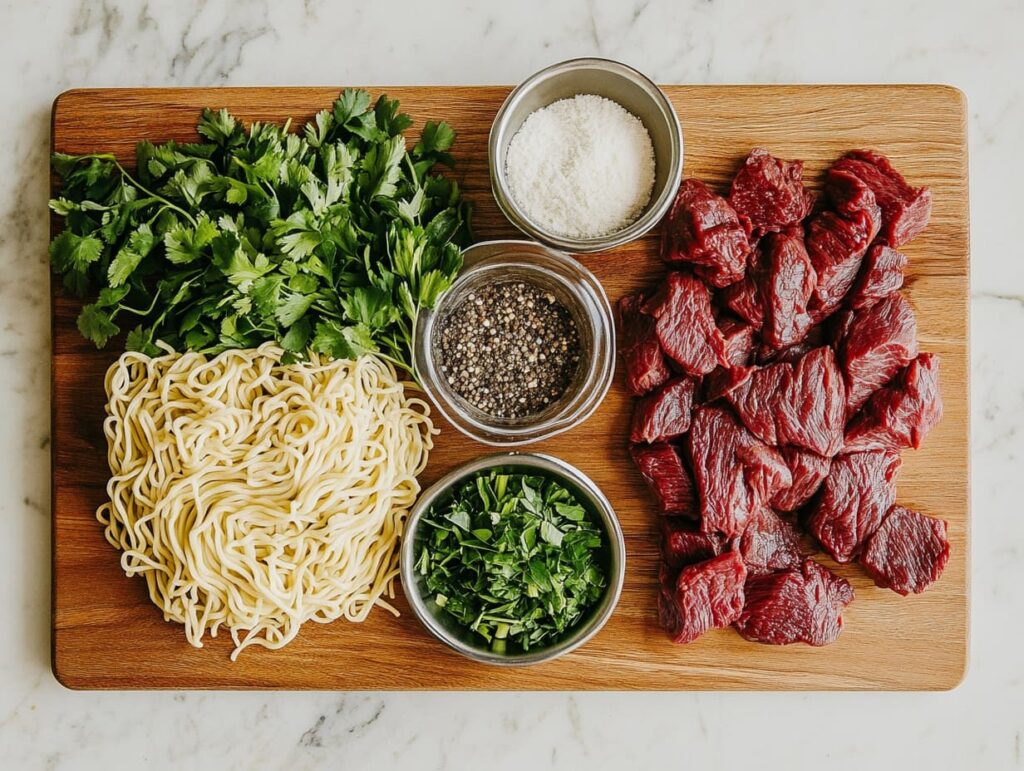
{"x": 510, "y": 349}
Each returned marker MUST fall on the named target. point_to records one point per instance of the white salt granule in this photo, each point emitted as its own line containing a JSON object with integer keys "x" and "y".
{"x": 581, "y": 167}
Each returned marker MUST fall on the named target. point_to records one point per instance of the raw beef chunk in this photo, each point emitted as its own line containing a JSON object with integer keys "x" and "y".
{"x": 769, "y": 543}
{"x": 808, "y": 470}
{"x": 902, "y": 414}
{"x": 664, "y": 414}
{"x": 769, "y": 192}
{"x": 739, "y": 341}
{"x": 836, "y": 246}
{"x": 724, "y": 380}
{"x": 685, "y": 327}
{"x": 849, "y": 194}
{"x": 736, "y": 474}
{"x": 879, "y": 342}
{"x": 815, "y": 339}
{"x": 802, "y": 604}
{"x": 756, "y": 400}
{"x": 811, "y": 410}
{"x": 854, "y": 499}
{"x": 707, "y": 595}
{"x": 905, "y": 209}
{"x": 787, "y": 289}
{"x": 908, "y": 552}
{"x": 703, "y": 229}
{"x": 665, "y": 474}
{"x": 645, "y": 363}
{"x": 801, "y": 404}
{"x": 881, "y": 274}
{"x": 683, "y": 544}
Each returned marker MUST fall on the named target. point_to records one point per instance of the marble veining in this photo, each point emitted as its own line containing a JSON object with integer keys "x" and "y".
{"x": 53, "y": 45}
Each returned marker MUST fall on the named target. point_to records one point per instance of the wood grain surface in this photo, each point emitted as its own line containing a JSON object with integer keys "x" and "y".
{"x": 106, "y": 634}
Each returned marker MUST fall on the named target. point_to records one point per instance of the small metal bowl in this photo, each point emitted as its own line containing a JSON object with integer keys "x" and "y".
{"x": 576, "y": 288}
{"x": 465, "y": 641}
{"x": 621, "y": 84}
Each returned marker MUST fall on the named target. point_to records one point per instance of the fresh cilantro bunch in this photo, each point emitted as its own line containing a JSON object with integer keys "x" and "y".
{"x": 331, "y": 239}
{"x": 513, "y": 557}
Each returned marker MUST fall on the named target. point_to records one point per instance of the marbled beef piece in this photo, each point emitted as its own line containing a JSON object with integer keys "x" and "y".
{"x": 881, "y": 274}
{"x": 812, "y": 409}
{"x": 662, "y": 468}
{"x": 803, "y": 604}
{"x": 854, "y": 499}
{"x": 768, "y": 544}
{"x": 902, "y": 414}
{"x": 908, "y": 552}
{"x": 808, "y": 470}
{"x": 707, "y": 595}
{"x": 739, "y": 341}
{"x": 685, "y": 325}
{"x": 641, "y": 352}
{"x": 757, "y": 400}
{"x": 769, "y": 192}
{"x": 702, "y": 229}
{"x": 664, "y": 414}
{"x": 736, "y": 473}
{"x": 745, "y": 297}
{"x": 802, "y": 404}
{"x": 787, "y": 289}
{"x": 836, "y": 246}
{"x": 905, "y": 209}
{"x": 683, "y": 544}
{"x": 879, "y": 341}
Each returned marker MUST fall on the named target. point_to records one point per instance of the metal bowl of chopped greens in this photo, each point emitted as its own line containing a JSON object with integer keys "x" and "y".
{"x": 513, "y": 559}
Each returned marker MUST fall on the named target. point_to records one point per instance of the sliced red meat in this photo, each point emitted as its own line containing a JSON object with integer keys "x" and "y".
{"x": 724, "y": 380}
{"x": 908, "y": 552}
{"x": 685, "y": 326}
{"x": 881, "y": 274}
{"x": 768, "y": 544}
{"x": 902, "y": 414}
{"x": 815, "y": 338}
{"x": 641, "y": 352}
{"x": 663, "y": 470}
{"x": 707, "y": 595}
{"x": 808, "y": 470}
{"x": 905, "y": 209}
{"x": 703, "y": 229}
{"x": 736, "y": 474}
{"x": 854, "y": 499}
{"x": 879, "y": 341}
{"x": 803, "y": 604}
{"x": 744, "y": 298}
{"x": 787, "y": 289}
{"x": 683, "y": 544}
{"x": 812, "y": 408}
{"x": 801, "y": 404}
{"x": 849, "y": 194}
{"x": 769, "y": 192}
{"x": 836, "y": 246}
{"x": 739, "y": 341}
{"x": 664, "y": 414}
{"x": 757, "y": 400}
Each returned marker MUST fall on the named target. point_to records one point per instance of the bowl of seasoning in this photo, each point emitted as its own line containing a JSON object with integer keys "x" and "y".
{"x": 520, "y": 348}
{"x": 586, "y": 155}
{"x": 513, "y": 559}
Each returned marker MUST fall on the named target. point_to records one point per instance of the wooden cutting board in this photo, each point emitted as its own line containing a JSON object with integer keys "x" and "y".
{"x": 106, "y": 634}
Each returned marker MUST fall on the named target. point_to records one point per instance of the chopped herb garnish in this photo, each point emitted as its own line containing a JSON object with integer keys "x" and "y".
{"x": 515, "y": 558}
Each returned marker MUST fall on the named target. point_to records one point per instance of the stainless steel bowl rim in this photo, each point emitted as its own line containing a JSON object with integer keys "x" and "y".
{"x": 639, "y": 227}
{"x": 552, "y": 465}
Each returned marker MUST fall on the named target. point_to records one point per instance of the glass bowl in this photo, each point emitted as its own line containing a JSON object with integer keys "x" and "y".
{"x": 576, "y": 288}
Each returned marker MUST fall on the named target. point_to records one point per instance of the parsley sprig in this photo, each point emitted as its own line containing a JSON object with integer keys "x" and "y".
{"x": 513, "y": 557}
{"x": 332, "y": 239}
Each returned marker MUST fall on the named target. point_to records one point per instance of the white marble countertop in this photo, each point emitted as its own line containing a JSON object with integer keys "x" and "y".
{"x": 48, "y": 46}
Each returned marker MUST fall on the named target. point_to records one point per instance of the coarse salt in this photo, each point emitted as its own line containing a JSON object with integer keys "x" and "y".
{"x": 581, "y": 167}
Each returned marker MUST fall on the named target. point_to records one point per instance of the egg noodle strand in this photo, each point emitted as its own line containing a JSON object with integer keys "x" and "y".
{"x": 256, "y": 495}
